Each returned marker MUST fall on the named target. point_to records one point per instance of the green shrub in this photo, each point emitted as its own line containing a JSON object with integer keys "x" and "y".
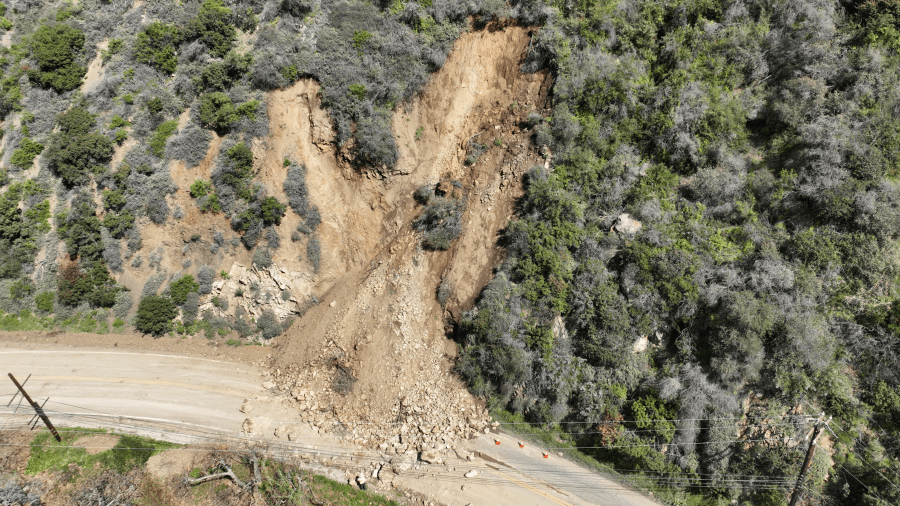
{"x": 220, "y": 76}
{"x": 248, "y": 109}
{"x": 121, "y": 135}
{"x": 160, "y": 136}
{"x": 54, "y": 48}
{"x": 216, "y": 111}
{"x": 94, "y": 286}
{"x": 118, "y": 122}
{"x": 23, "y": 156}
{"x": 272, "y": 211}
{"x": 21, "y": 288}
{"x": 114, "y": 47}
{"x": 183, "y": 286}
{"x": 213, "y": 27}
{"x": 156, "y": 46}
{"x": 262, "y": 258}
{"x": 44, "y": 301}
{"x": 155, "y": 314}
{"x": 200, "y": 188}
{"x": 360, "y": 37}
{"x": 358, "y": 90}
{"x": 155, "y": 105}
{"x": 75, "y": 151}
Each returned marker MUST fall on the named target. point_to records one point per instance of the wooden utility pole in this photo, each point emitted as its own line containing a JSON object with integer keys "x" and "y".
{"x": 798, "y": 488}
{"x": 38, "y": 409}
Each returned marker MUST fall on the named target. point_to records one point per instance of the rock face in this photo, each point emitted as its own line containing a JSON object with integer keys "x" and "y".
{"x": 625, "y": 224}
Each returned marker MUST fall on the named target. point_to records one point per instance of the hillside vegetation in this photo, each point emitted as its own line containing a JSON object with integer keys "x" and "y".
{"x": 757, "y": 144}
{"x": 707, "y": 261}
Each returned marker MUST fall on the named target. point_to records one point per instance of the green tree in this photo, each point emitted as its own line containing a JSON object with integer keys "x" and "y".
{"x": 155, "y": 314}
{"x": 156, "y": 46}
{"x": 54, "y": 48}
{"x": 183, "y": 286}
{"x": 213, "y": 27}
{"x": 23, "y": 156}
{"x": 272, "y": 211}
{"x": 75, "y": 151}
{"x": 160, "y": 136}
{"x": 217, "y": 111}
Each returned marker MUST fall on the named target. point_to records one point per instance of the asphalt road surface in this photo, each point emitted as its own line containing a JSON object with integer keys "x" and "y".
{"x": 183, "y": 397}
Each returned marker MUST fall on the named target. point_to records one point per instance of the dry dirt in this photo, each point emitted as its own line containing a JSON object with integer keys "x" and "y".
{"x": 96, "y": 444}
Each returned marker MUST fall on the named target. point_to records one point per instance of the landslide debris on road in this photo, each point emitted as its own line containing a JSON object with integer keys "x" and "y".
{"x": 380, "y": 318}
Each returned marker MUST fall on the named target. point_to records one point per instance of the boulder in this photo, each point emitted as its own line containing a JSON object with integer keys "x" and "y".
{"x": 625, "y": 224}
{"x": 640, "y": 344}
{"x": 431, "y": 456}
{"x": 402, "y": 463}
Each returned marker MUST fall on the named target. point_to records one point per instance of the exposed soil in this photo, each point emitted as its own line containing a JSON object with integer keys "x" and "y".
{"x": 380, "y": 318}
{"x": 96, "y": 444}
{"x": 172, "y": 463}
{"x": 14, "y": 456}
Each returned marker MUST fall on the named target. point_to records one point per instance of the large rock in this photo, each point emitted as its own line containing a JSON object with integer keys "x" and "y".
{"x": 559, "y": 328}
{"x": 625, "y": 224}
{"x": 402, "y": 463}
{"x": 431, "y": 456}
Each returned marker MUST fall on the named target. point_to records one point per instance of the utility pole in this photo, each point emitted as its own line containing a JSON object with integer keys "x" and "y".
{"x": 38, "y": 409}
{"x": 798, "y": 490}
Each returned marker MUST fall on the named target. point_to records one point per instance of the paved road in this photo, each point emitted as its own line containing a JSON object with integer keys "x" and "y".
{"x": 200, "y": 391}
{"x": 560, "y": 473}
{"x": 177, "y": 395}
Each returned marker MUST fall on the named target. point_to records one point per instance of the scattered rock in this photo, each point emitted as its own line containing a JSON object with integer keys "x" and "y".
{"x": 640, "y": 344}
{"x": 246, "y": 407}
{"x": 625, "y": 224}
{"x": 471, "y": 474}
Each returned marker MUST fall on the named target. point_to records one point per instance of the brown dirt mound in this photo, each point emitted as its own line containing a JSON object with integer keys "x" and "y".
{"x": 96, "y": 443}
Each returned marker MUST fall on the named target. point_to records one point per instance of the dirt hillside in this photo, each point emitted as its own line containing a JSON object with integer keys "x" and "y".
{"x": 379, "y": 320}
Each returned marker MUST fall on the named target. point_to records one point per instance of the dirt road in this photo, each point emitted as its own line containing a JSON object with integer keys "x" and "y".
{"x": 203, "y": 396}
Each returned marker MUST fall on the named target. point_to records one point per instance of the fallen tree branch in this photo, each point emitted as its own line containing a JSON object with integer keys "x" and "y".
{"x": 210, "y": 477}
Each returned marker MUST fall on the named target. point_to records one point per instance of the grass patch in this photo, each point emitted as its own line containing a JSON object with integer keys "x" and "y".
{"x": 130, "y": 452}
{"x": 25, "y": 320}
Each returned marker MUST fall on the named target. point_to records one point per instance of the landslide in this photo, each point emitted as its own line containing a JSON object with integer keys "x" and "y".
{"x": 379, "y": 327}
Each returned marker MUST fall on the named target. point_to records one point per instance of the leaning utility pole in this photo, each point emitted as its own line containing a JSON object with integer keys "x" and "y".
{"x": 37, "y": 409}
{"x": 798, "y": 488}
